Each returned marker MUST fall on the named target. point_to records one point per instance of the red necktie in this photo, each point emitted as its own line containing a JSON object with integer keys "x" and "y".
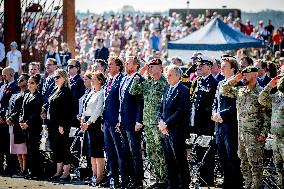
{"x": 109, "y": 85}
{"x": 6, "y": 88}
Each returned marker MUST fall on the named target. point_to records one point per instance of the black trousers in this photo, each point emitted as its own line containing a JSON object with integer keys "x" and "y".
{"x": 114, "y": 152}
{"x": 59, "y": 144}
{"x": 131, "y": 144}
{"x": 34, "y": 159}
{"x": 227, "y": 147}
{"x": 176, "y": 163}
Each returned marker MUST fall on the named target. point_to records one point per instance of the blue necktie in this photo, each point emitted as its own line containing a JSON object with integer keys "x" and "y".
{"x": 170, "y": 91}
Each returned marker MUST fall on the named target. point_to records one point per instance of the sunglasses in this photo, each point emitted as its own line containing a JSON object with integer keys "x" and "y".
{"x": 57, "y": 77}
{"x": 20, "y": 80}
{"x": 32, "y": 83}
{"x": 71, "y": 66}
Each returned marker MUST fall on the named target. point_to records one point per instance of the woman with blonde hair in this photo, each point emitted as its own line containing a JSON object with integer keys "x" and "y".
{"x": 58, "y": 114}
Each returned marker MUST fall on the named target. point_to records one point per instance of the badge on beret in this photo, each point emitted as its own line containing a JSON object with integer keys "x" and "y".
{"x": 250, "y": 69}
{"x": 155, "y": 61}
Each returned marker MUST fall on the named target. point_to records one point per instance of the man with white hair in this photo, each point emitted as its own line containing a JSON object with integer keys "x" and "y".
{"x": 173, "y": 119}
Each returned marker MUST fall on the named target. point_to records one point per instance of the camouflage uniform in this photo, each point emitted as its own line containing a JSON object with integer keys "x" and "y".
{"x": 276, "y": 102}
{"x": 152, "y": 91}
{"x": 253, "y": 120}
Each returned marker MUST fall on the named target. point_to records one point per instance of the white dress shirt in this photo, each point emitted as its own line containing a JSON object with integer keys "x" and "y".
{"x": 127, "y": 80}
{"x": 93, "y": 106}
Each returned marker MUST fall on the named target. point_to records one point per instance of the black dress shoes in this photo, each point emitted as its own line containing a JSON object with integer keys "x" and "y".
{"x": 54, "y": 178}
{"x": 65, "y": 179}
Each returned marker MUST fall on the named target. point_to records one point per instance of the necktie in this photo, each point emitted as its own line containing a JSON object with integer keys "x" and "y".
{"x": 46, "y": 84}
{"x": 124, "y": 87}
{"x": 170, "y": 91}
{"x": 109, "y": 85}
{"x": 6, "y": 88}
{"x": 72, "y": 81}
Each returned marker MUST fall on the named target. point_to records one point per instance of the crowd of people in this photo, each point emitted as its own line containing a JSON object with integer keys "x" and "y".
{"x": 120, "y": 102}
{"x": 121, "y": 90}
{"x": 143, "y": 36}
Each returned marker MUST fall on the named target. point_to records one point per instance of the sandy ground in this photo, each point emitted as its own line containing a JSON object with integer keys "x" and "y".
{"x": 19, "y": 183}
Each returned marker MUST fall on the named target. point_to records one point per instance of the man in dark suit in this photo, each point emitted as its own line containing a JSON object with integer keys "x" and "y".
{"x": 77, "y": 86}
{"x": 131, "y": 116}
{"x": 174, "y": 117}
{"x": 49, "y": 81}
{"x": 1, "y": 78}
{"x": 202, "y": 95}
{"x": 101, "y": 52}
{"x": 216, "y": 70}
{"x": 224, "y": 114}
{"x": 262, "y": 79}
{"x": 10, "y": 88}
{"x": 112, "y": 138}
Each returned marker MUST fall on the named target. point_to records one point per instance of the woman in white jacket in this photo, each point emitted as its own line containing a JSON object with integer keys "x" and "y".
{"x": 91, "y": 122}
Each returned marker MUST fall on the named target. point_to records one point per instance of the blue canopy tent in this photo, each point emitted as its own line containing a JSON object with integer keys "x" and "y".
{"x": 215, "y": 36}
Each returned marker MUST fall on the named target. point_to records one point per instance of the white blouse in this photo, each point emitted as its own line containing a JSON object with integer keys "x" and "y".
{"x": 93, "y": 106}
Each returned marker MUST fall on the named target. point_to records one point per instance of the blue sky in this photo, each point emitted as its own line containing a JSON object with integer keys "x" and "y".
{"x": 98, "y": 6}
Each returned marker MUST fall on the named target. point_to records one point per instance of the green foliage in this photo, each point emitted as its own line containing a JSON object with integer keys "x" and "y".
{"x": 277, "y": 17}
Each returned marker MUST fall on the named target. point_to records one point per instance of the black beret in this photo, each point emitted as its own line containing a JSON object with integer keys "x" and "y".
{"x": 225, "y": 56}
{"x": 155, "y": 61}
{"x": 250, "y": 69}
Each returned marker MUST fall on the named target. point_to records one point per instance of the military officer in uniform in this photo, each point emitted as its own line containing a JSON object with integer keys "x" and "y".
{"x": 276, "y": 103}
{"x": 152, "y": 90}
{"x": 202, "y": 96}
{"x": 253, "y": 125}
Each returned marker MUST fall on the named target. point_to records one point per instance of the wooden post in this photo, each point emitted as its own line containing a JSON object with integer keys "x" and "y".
{"x": 12, "y": 23}
{"x": 69, "y": 24}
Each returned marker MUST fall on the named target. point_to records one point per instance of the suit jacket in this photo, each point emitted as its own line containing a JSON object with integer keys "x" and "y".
{"x": 19, "y": 135}
{"x": 112, "y": 103}
{"x": 64, "y": 57}
{"x": 47, "y": 87}
{"x": 226, "y": 107}
{"x": 131, "y": 107}
{"x": 102, "y": 53}
{"x": 12, "y": 89}
{"x": 175, "y": 110}
{"x": 58, "y": 108}
{"x": 1, "y": 83}
{"x": 203, "y": 93}
{"x": 77, "y": 90}
{"x": 220, "y": 77}
{"x": 31, "y": 110}
{"x": 263, "y": 82}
